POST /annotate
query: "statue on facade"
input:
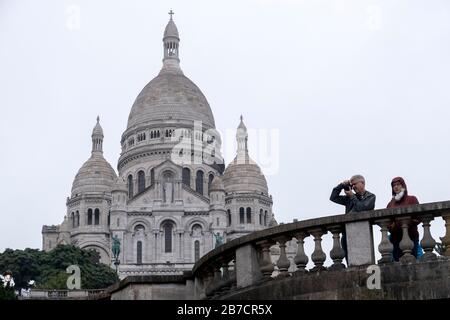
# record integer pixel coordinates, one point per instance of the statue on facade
(115, 247)
(219, 239)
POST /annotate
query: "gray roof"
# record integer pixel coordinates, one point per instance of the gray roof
(96, 175)
(243, 175)
(170, 95)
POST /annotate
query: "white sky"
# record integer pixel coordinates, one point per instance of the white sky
(350, 86)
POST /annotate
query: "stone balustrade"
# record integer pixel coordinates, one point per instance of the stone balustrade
(247, 261)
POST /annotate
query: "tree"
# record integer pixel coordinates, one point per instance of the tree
(49, 268)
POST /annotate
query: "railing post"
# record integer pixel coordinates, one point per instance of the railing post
(359, 239)
(406, 245)
(385, 247)
(266, 265)
(283, 262)
(247, 266)
(427, 242)
(337, 254)
(446, 239)
(318, 256)
(301, 259)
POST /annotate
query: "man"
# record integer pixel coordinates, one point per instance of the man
(360, 200)
(400, 198)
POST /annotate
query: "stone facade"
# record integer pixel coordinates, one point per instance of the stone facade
(172, 195)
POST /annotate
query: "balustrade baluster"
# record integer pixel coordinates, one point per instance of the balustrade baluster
(283, 262)
(301, 259)
(385, 247)
(318, 256)
(446, 239)
(427, 243)
(337, 254)
(406, 245)
(266, 265)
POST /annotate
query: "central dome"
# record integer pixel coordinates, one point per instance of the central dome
(170, 95)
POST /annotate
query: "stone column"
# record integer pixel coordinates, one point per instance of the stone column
(266, 265)
(427, 242)
(385, 247)
(337, 253)
(406, 245)
(360, 249)
(318, 256)
(283, 262)
(446, 239)
(301, 259)
(247, 266)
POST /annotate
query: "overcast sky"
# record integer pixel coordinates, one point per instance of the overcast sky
(345, 87)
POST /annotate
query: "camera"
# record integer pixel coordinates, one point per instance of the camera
(347, 187)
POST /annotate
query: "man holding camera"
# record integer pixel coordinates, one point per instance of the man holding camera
(360, 200)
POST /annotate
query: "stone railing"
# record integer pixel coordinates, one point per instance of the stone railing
(39, 294)
(247, 261)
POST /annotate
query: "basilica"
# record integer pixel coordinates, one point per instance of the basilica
(172, 198)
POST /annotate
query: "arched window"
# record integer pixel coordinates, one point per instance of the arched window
(89, 222)
(210, 179)
(141, 181)
(152, 176)
(187, 176)
(261, 216)
(130, 186)
(197, 250)
(139, 252)
(249, 215)
(73, 220)
(265, 218)
(199, 182)
(241, 215)
(78, 219)
(97, 217)
(168, 227)
(229, 217)
(109, 218)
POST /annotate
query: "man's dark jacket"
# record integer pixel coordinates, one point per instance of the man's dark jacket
(357, 203)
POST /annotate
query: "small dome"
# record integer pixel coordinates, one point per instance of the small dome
(171, 30)
(96, 175)
(243, 176)
(217, 184)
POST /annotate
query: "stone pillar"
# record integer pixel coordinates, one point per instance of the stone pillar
(283, 262)
(337, 253)
(427, 242)
(359, 243)
(247, 266)
(385, 247)
(318, 256)
(446, 239)
(406, 245)
(266, 266)
(301, 259)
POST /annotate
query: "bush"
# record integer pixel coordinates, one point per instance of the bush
(49, 268)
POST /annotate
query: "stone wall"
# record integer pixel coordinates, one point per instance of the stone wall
(418, 281)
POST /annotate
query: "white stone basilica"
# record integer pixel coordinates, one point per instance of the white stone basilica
(172, 195)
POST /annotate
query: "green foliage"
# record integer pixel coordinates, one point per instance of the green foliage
(49, 268)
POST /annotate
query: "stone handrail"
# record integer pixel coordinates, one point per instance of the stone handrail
(246, 261)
